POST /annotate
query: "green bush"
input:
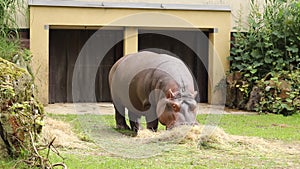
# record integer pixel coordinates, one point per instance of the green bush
(280, 93)
(21, 114)
(270, 45)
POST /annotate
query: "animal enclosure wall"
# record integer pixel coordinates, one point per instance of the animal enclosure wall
(47, 18)
(190, 46)
(66, 46)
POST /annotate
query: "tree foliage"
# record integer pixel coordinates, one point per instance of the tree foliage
(270, 45)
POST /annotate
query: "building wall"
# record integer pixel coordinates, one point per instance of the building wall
(43, 18)
(236, 6)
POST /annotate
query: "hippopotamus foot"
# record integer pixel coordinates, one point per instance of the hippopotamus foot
(120, 120)
(123, 127)
(134, 122)
(152, 125)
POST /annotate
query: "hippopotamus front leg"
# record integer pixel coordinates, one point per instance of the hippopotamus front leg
(134, 121)
(152, 125)
(120, 118)
(152, 120)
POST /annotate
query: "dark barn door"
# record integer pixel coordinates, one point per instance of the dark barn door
(190, 46)
(65, 47)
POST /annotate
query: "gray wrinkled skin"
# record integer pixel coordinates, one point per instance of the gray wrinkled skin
(157, 86)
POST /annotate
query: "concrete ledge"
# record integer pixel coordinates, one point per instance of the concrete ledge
(108, 109)
(70, 3)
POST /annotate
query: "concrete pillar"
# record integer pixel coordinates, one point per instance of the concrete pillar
(130, 40)
(210, 66)
(219, 46)
(39, 47)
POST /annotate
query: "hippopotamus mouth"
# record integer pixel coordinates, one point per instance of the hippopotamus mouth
(182, 124)
(178, 109)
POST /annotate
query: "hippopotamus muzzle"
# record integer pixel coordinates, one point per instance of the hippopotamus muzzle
(173, 111)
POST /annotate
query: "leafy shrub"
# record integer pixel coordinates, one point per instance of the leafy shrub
(21, 114)
(269, 47)
(280, 92)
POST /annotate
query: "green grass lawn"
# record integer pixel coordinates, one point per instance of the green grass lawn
(270, 127)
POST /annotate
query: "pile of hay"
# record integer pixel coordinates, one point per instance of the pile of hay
(59, 130)
(63, 134)
(148, 143)
(186, 135)
(216, 138)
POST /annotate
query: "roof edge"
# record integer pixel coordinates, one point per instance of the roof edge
(129, 5)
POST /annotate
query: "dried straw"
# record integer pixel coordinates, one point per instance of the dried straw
(63, 134)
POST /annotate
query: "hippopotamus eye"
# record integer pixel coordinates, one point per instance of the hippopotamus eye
(175, 107)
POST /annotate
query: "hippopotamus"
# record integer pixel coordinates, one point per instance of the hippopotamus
(157, 86)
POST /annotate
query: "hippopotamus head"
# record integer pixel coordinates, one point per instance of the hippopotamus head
(177, 108)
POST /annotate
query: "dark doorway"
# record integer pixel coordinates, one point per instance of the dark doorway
(65, 46)
(190, 46)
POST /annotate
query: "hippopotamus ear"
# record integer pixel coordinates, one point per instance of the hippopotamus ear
(170, 94)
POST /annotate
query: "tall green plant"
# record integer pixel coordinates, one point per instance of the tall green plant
(10, 48)
(269, 45)
(8, 11)
(271, 42)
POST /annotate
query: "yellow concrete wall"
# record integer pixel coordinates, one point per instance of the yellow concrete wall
(130, 40)
(41, 18)
(235, 5)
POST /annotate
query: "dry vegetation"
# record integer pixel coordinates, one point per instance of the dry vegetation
(201, 137)
(183, 147)
(63, 134)
(217, 138)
